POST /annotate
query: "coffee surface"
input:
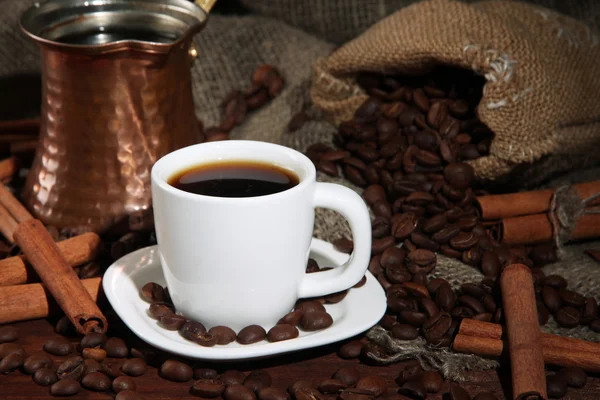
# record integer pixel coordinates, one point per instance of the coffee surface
(234, 179)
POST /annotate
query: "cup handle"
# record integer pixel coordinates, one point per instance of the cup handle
(352, 207)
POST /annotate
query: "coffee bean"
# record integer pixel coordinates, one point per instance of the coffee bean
(272, 393)
(556, 386)
(123, 383)
(65, 387)
(436, 326)
(543, 254)
(404, 225)
(11, 362)
(224, 334)
(64, 327)
(421, 261)
(410, 371)
(374, 193)
(435, 223)
(413, 389)
(435, 284)
(462, 312)
(309, 305)
(490, 264)
(382, 208)
(116, 348)
(134, 367)
(372, 384)
(380, 227)
(192, 330)
(445, 234)
(343, 245)
(282, 332)
(71, 368)
(111, 369)
(423, 241)
(35, 362)
(551, 298)
(357, 285)
(464, 241)
(45, 376)
(96, 381)
(590, 310)
(91, 366)
(485, 396)
(432, 381)
(94, 354)
(555, 281)
(307, 394)
(428, 306)
(489, 303)
(572, 298)
(331, 386)
(238, 392)
(445, 297)
(347, 375)
(567, 317)
(232, 376)
(251, 334)
(404, 332)
(153, 292)
(292, 318)
(353, 348)
(58, 346)
(472, 303)
(172, 321)
(257, 380)
(92, 340)
(8, 333)
(176, 371)
(456, 392)
(378, 246)
(128, 395)
(315, 320)
(392, 256)
(459, 175)
(543, 313)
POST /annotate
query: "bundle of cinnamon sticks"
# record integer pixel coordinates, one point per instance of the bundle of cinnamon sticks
(541, 216)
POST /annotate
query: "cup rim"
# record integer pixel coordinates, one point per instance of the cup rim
(159, 167)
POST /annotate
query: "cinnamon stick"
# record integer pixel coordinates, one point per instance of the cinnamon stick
(26, 302)
(59, 277)
(30, 125)
(537, 228)
(473, 327)
(557, 350)
(9, 138)
(8, 167)
(7, 224)
(78, 250)
(16, 209)
(526, 203)
(24, 146)
(523, 332)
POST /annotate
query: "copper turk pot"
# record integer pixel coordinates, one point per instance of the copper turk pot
(116, 96)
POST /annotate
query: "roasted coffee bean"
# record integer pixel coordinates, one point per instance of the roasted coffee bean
(445, 234)
(251, 334)
(434, 224)
(64, 327)
(490, 264)
(555, 281)
(374, 193)
(543, 254)
(416, 290)
(331, 386)
(158, 310)
(408, 245)
(485, 317)
(380, 227)
(413, 390)
(224, 334)
(122, 383)
(595, 325)
(71, 368)
(92, 340)
(489, 303)
(387, 321)
(472, 303)
(272, 393)
(58, 346)
(473, 289)
(96, 381)
(397, 274)
(35, 362)
(568, 317)
(128, 395)
(315, 320)
(556, 386)
(462, 312)
(456, 392)
(436, 326)
(435, 284)
(485, 396)
(343, 245)
(94, 354)
(420, 278)
(423, 241)
(153, 292)
(134, 367)
(309, 305)
(421, 261)
(432, 381)
(378, 246)
(590, 311)
(11, 362)
(382, 208)
(192, 330)
(176, 371)
(354, 175)
(327, 167)
(445, 297)
(551, 299)
(116, 348)
(45, 377)
(292, 318)
(459, 175)
(358, 284)
(257, 380)
(404, 225)
(428, 306)
(353, 349)
(282, 332)
(572, 298)
(404, 332)
(206, 373)
(8, 333)
(232, 376)
(575, 377)
(92, 366)
(172, 321)
(111, 369)
(410, 371)
(347, 375)
(543, 313)
(373, 384)
(65, 387)
(464, 241)
(238, 392)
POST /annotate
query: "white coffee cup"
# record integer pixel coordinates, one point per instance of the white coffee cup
(241, 261)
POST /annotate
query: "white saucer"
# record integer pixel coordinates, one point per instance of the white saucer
(360, 310)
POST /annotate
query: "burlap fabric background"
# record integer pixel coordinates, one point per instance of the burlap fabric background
(230, 48)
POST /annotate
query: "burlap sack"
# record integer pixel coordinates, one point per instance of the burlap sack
(342, 20)
(540, 69)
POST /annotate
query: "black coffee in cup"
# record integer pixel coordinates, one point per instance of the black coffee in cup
(234, 179)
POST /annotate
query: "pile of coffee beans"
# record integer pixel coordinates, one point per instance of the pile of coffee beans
(308, 314)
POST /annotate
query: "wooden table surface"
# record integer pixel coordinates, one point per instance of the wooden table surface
(313, 365)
